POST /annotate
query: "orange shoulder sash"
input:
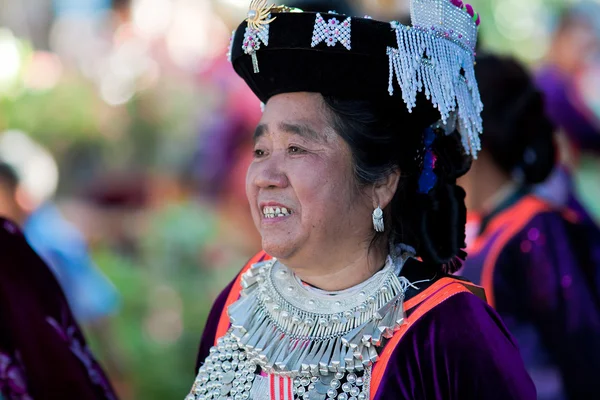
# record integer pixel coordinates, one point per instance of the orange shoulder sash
(422, 303)
(234, 295)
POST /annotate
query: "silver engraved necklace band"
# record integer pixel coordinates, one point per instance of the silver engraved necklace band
(288, 329)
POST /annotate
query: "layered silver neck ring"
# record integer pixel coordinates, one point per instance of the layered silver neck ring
(286, 328)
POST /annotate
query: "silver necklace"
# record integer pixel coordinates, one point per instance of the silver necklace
(289, 330)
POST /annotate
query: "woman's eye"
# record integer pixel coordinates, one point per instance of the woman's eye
(295, 150)
(258, 153)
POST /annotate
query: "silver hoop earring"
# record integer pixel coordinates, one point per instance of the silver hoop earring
(378, 219)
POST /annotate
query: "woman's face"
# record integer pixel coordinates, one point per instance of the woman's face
(301, 186)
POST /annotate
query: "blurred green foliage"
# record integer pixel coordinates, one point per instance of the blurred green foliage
(166, 295)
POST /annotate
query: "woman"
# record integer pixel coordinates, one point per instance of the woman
(567, 81)
(361, 220)
(539, 264)
(43, 354)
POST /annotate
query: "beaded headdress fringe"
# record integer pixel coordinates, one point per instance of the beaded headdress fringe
(436, 56)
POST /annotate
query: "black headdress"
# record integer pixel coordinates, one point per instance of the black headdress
(279, 49)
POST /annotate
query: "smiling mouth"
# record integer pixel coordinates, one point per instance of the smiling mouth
(275, 212)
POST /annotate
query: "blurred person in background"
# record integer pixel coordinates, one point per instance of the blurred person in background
(570, 81)
(539, 262)
(29, 180)
(43, 353)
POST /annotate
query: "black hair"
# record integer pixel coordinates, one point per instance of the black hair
(518, 134)
(382, 140)
(8, 177)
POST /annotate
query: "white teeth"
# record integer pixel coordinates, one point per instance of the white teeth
(273, 212)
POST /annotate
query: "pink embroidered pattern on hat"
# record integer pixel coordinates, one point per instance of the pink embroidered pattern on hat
(331, 32)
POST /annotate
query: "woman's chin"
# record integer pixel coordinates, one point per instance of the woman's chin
(278, 248)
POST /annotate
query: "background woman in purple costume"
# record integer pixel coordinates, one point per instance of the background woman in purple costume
(569, 81)
(539, 263)
(43, 354)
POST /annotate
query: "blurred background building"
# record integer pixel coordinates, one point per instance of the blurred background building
(139, 132)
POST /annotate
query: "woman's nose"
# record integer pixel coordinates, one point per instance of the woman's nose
(270, 174)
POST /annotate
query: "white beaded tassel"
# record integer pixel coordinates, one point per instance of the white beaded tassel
(427, 62)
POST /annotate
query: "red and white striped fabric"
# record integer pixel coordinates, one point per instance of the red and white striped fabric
(280, 388)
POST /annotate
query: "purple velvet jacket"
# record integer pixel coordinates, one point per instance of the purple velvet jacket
(459, 350)
(43, 354)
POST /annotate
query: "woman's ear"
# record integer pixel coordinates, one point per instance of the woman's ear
(384, 190)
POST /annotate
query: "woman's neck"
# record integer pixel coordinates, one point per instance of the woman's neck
(487, 186)
(501, 194)
(351, 269)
